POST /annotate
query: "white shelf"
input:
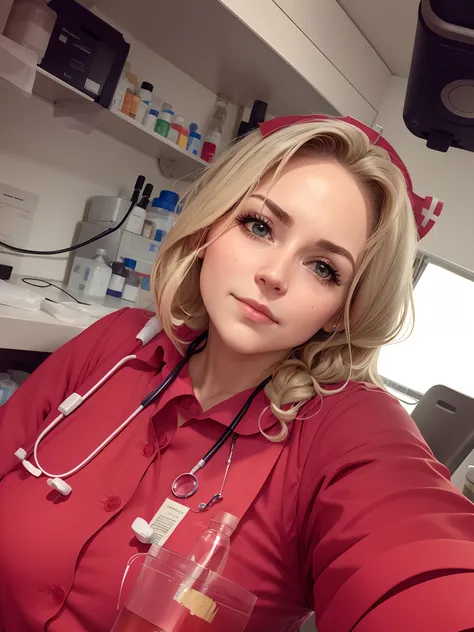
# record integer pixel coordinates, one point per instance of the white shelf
(210, 43)
(38, 331)
(174, 162)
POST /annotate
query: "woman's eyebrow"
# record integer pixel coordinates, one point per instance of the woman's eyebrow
(329, 246)
(286, 219)
(275, 209)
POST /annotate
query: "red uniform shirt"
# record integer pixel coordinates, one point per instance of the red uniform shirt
(351, 516)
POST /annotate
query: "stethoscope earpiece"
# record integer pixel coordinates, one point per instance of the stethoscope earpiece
(21, 454)
(60, 486)
(142, 530)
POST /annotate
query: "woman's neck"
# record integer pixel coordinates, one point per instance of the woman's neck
(218, 372)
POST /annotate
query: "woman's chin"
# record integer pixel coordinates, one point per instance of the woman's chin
(245, 339)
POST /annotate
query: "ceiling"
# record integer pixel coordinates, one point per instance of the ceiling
(390, 27)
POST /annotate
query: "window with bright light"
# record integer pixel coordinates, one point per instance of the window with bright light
(441, 347)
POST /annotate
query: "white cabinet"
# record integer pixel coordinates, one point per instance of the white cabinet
(331, 30)
(247, 50)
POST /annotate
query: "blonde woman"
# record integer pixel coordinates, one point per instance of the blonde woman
(294, 253)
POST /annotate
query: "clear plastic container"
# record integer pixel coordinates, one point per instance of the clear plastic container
(214, 134)
(212, 547)
(30, 24)
(174, 594)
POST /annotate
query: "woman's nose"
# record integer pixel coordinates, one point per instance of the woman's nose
(273, 279)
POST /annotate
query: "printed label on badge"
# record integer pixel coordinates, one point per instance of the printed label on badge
(166, 519)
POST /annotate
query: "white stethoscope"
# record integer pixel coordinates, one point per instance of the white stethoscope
(185, 485)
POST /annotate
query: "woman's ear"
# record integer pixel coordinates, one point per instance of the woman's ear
(336, 323)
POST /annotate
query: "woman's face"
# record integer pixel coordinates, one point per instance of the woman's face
(283, 269)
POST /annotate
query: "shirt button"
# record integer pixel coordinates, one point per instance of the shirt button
(112, 503)
(58, 593)
(148, 449)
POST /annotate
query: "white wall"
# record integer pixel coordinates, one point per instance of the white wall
(65, 167)
(446, 176)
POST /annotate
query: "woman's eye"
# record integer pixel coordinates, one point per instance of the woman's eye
(323, 270)
(260, 229)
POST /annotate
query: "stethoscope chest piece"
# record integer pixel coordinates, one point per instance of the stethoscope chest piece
(185, 485)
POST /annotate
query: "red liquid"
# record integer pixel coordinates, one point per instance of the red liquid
(129, 622)
(208, 151)
(226, 619)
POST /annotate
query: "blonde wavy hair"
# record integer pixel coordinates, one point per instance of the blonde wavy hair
(379, 304)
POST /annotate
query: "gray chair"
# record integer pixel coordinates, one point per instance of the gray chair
(446, 421)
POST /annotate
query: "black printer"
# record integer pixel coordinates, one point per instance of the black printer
(85, 52)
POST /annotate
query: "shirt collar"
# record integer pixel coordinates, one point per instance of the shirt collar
(160, 353)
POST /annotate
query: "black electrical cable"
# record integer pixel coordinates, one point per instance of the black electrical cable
(60, 251)
(28, 280)
(134, 200)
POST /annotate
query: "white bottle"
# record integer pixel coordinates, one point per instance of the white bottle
(150, 119)
(91, 276)
(135, 220)
(132, 282)
(145, 94)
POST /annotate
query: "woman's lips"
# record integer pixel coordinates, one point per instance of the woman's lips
(255, 311)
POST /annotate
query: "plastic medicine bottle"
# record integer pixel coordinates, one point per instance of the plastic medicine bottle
(214, 134)
(132, 282)
(145, 95)
(175, 129)
(117, 280)
(164, 120)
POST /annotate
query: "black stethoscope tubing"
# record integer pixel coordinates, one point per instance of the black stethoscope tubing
(193, 349)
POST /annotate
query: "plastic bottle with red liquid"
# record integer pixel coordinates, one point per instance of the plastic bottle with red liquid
(177, 594)
(214, 133)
